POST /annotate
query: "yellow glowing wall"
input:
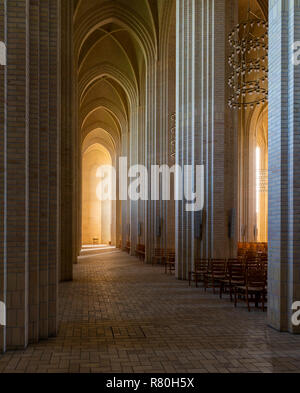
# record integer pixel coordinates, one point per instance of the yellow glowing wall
(96, 214)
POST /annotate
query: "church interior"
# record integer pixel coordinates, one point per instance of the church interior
(125, 284)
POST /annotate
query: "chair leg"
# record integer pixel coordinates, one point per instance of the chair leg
(221, 290)
(257, 298)
(235, 297)
(190, 278)
(248, 303)
(263, 301)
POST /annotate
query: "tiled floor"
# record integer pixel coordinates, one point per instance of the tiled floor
(120, 315)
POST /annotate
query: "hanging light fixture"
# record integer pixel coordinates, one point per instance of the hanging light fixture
(173, 137)
(249, 63)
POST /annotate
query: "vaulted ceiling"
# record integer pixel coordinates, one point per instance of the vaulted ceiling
(114, 40)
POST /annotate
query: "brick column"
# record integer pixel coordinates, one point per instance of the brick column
(34, 187)
(44, 168)
(67, 142)
(134, 160)
(29, 177)
(16, 133)
(2, 266)
(54, 161)
(185, 117)
(284, 164)
(204, 127)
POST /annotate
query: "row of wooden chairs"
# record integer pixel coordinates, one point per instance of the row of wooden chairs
(250, 254)
(164, 257)
(243, 278)
(252, 247)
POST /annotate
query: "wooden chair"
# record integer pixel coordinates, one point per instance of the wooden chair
(127, 247)
(252, 263)
(263, 263)
(255, 288)
(235, 276)
(159, 256)
(242, 252)
(250, 254)
(200, 269)
(216, 273)
(170, 261)
(140, 251)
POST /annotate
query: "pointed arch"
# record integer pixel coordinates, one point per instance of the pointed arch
(107, 69)
(100, 16)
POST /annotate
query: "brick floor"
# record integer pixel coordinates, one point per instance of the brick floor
(119, 315)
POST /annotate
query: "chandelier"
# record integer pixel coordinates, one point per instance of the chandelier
(173, 136)
(249, 63)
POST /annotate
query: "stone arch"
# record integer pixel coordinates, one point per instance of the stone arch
(111, 133)
(97, 41)
(121, 15)
(118, 116)
(99, 136)
(107, 69)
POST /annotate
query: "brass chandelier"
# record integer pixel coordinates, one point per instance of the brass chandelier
(249, 63)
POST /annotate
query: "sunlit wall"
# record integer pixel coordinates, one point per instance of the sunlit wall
(96, 214)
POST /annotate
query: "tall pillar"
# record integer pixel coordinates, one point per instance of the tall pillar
(124, 203)
(16, 132)
(284, 164)
(29, 162)
(204, 128)
(134, 160)
(2, 177)
(167, 119)
(54, 161)
(44, 166)
(34, 157)
(151, 137)
(68, 239)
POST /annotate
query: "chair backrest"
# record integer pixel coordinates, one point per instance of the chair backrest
(201, 265)
(236, 270)
(256, 277)
(242, 252)
(251, 254)
(233, 260)
(263, 257)
(218, 266)
(263, 263)
(252, 263)
(140, 247)
(171, 255)
(159, 252)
